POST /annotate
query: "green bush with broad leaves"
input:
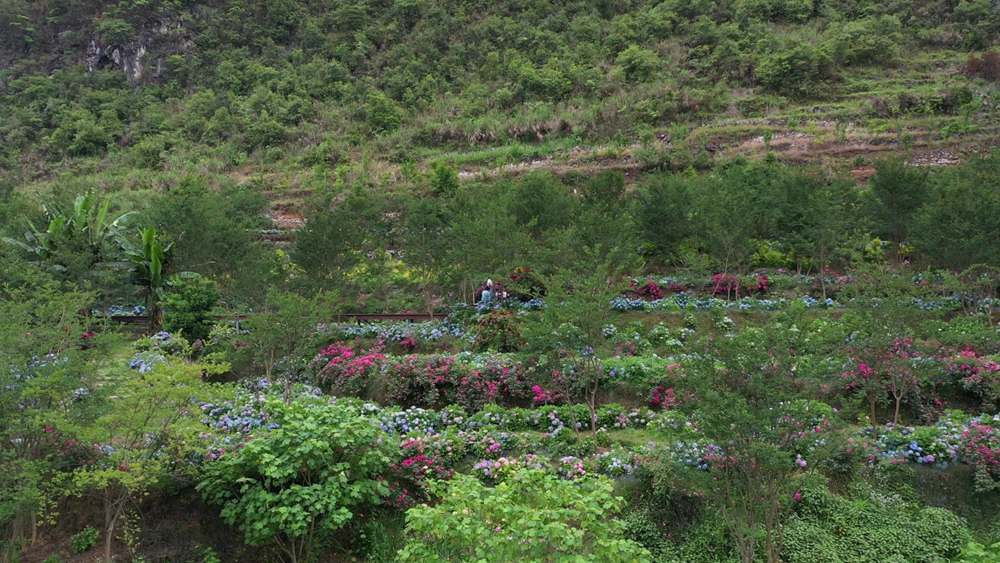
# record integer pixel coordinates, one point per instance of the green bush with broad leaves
(874, 525)
(187, 308)
(293, 487)
(532, 516)
(85, 540)
(979, 553)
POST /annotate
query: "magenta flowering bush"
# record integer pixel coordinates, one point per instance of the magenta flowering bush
(981, 450)
(431, 381)
(646, 289)
(344, 370)
(490, 379)
(428, 381)
(410, 473)
(976, 374)
(409, 344)
(732, 285)
(664, 398)
(421, 381)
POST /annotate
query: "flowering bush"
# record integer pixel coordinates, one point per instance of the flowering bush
(396, 331)
(410, 472)
(573, 468)
(525, 285)
(981, 450)
(693, 455)
(732, 285)
(498, 331)
(494, 472)
(664, 398)
(163, 343)
(469, 381)
(977, 374)
(146, 361)
(621, 461)
(419, 380)
(346, 371)
(155, 349)
(411, 422)
(833, 282)
(648, 289)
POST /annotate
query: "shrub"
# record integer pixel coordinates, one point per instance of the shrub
(411, 473)
(444, 179)
(827, 528)
(976, 374)
(648, 289)
(346, 371)
(794, 70)
(986, 66)
(733, 285)
(383, 116)
(187, 308)
(85, 540)
(637, 64)
(531, 516)
(418, 380)
(115, 31)
(498, 331)
(981, 450)
(870, 41)
(295, 486)
(525, 285)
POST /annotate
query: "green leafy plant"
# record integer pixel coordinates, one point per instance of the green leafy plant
(85, 540)
(979, 553)
(187, 307)
(149, 261)
(292, 488)
(530, 516)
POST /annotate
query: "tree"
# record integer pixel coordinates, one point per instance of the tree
(214, 233)
(898, 191)
(293, 487)
(959, 227)
(148, 415)
(532, 516)
(580, 308)
(666, 212)
(880, 355)
(337, 234)
(285, 328)
(481, 236)
(745, 411)
(47, 393)
(734, 210)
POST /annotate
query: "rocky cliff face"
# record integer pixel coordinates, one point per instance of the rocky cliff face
(142, 57)
(129, 58)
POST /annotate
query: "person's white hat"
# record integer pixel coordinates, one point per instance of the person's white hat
(489, 283)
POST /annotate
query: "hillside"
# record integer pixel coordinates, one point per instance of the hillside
(309, 281)
(277, 90)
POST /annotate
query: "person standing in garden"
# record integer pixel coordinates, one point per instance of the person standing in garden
(487, 294)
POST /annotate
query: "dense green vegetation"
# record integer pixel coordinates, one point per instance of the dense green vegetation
(743, 271)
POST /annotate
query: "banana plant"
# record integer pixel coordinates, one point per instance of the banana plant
(88, 224)
(148, 261)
